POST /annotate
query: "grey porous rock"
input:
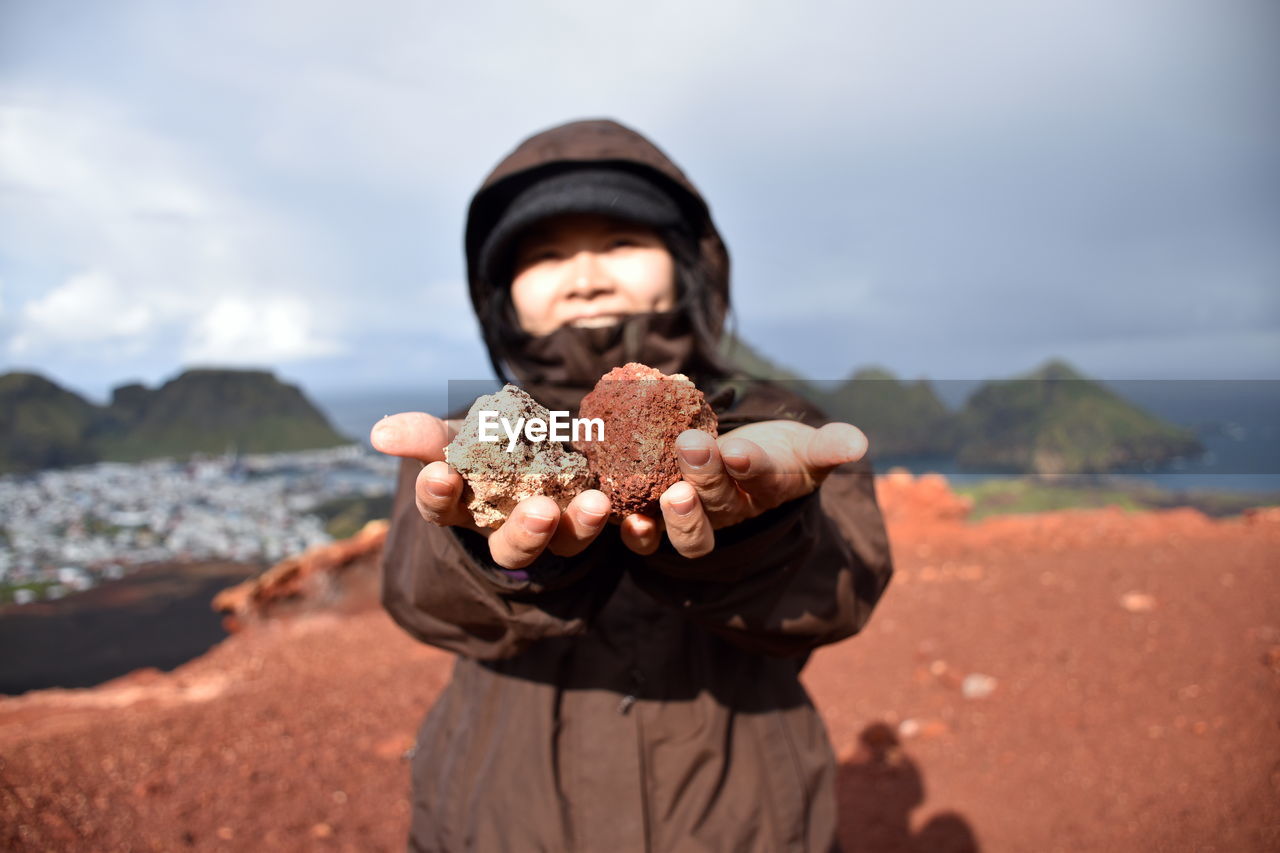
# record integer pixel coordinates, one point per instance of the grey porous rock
(498, 478)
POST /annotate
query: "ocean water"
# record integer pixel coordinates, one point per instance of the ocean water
(1237, 421)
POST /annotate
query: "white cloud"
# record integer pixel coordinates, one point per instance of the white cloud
(259, 331)
(90, 170)
(171, 246)
(89, 308)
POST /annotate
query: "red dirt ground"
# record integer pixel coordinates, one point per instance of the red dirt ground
(1133, 703)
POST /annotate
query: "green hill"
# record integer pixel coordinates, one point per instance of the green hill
(43, 425)
(201, 411)
(210, 411)
(1053, 420)
(899, 418)
(1056, 421)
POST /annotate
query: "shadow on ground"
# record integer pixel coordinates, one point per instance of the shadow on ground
(879, 789)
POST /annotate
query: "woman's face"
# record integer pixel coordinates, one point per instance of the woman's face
(588, 270)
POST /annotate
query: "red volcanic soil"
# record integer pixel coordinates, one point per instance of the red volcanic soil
(1084, 680)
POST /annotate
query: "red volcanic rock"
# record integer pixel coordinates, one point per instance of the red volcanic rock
(312, 579)
(644, 411)
(905, 498)
(1262, 515)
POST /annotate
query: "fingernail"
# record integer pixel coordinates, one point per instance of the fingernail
(696, 457)
(384, 432)
(439, 488)
(737, 464)
(593, 516)
(685, 505)
(538, 524)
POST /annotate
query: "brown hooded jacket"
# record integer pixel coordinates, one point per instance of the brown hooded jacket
(618, 702)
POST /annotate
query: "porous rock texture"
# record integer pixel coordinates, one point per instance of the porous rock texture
(495, 479)
(644, 411)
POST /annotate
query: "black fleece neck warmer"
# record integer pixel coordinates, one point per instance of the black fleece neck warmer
(558, 369)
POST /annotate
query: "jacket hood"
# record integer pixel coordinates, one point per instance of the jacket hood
(585, 144)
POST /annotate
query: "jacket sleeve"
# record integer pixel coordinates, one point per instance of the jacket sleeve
(802, 575)
(440, 585)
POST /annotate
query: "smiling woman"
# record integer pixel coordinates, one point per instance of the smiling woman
(589, 271)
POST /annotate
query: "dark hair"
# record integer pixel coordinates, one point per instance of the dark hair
(699, 301)
(695, 298)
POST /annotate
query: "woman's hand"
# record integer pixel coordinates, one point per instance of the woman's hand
(740, 475)
(535, 524)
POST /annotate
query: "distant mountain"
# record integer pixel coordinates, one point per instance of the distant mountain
(1053, 420)
(211, 411)
(1056, 421)
(43, 425)
(201, 411)
(899, 418)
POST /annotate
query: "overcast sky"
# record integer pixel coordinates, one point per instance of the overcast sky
(957, 190)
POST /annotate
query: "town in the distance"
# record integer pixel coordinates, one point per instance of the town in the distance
(215, 464)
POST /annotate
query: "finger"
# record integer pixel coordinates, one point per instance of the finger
(835, 444)
(744, 460)
(438, 492)
(580, 523)
(640, 533)
(701, 466)
(688, 527)
(525, 533)
(412, 435)
(763, 482)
